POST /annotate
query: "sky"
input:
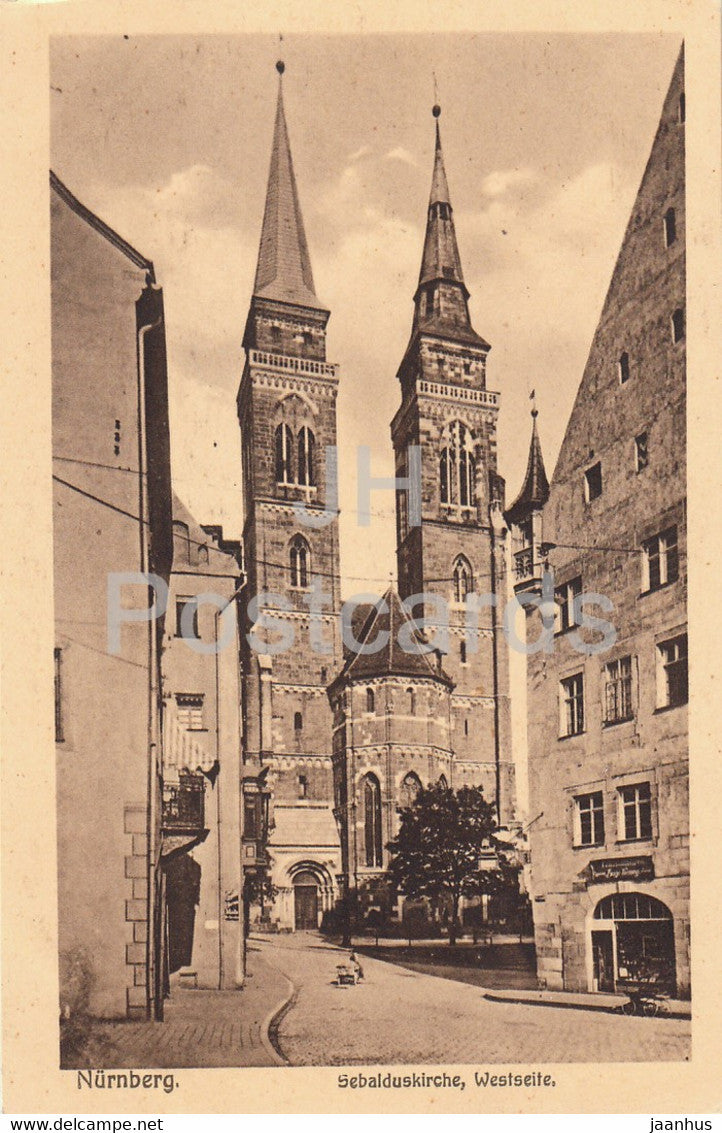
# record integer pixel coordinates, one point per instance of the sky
(545, 141)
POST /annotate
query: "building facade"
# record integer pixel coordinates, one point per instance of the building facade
(201, 817)
(455, 546)
(607, 715)
(287, 415)
(111, 487)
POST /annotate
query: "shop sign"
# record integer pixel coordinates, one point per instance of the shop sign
(622, 869)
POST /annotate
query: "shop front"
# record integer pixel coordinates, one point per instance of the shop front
(632, 942)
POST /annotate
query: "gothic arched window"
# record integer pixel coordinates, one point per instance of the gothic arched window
(284, 454)
(410, 787)
(411, 701)
(306, 457)
(373, 839)
(462, 577)
(370, 700)
(300, 562)
(457, 466)
(443, 783)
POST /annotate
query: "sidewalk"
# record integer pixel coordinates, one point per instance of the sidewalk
(201, 1028)
(585, 1001)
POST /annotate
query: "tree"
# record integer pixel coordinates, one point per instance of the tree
(442, 847)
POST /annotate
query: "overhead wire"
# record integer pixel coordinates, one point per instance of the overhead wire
(335, 575)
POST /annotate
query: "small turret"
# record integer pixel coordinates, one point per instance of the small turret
(524, 516)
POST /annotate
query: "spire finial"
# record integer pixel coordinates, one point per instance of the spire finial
(534, 410)
(436, 109)
(280, 66)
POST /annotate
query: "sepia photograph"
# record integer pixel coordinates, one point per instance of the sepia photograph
(369, 491)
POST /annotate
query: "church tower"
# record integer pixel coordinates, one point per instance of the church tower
(459, 545)
(287, 414)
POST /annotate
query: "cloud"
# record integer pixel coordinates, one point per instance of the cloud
(358, 154)
(537, 265)
(497, 183)
(538, 270)
(200, 195)
(401, 154)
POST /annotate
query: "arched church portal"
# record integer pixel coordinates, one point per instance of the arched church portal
(309, 891)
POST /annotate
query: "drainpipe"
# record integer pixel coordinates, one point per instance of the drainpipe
(219, 813)
(153, 989)
(494, 517)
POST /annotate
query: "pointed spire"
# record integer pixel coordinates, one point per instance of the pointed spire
(439, 184)
(535, 489)
(284, 271)
(441, 259)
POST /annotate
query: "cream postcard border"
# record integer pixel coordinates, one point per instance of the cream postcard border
(32, 1080)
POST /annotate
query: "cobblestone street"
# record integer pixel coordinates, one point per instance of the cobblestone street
(201, 1028)
(399, 1016)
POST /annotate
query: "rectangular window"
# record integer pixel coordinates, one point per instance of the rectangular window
(641, 454)
(660, 560)
(58, 658)
(191, 618)
(635, 804)
(593, 482)
(567, 614)
(589, 819)
(189, 710)
(670, 228)
(618, 691)
(672, 672)
(678, 325)
(572, 705)
(250, 817)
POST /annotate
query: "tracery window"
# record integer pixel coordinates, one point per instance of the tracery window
(410, 787)
(284, 454)
(300, 562)
(457, 466)
(462, 578)
(306, 457)
(373, 839)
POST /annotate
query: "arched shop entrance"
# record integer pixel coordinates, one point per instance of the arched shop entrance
(632, 940)
(305, 900)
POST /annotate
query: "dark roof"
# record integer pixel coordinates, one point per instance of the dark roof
(100, 226)
(385, 618)
(535, 489)
(441, 258)
(283, 272)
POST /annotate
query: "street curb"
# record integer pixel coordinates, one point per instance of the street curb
(570, 1006)
(269, 1026)
(275, 1021)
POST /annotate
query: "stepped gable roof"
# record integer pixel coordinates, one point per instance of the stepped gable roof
(220, 561)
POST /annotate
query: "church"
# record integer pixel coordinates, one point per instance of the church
(337, 737)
